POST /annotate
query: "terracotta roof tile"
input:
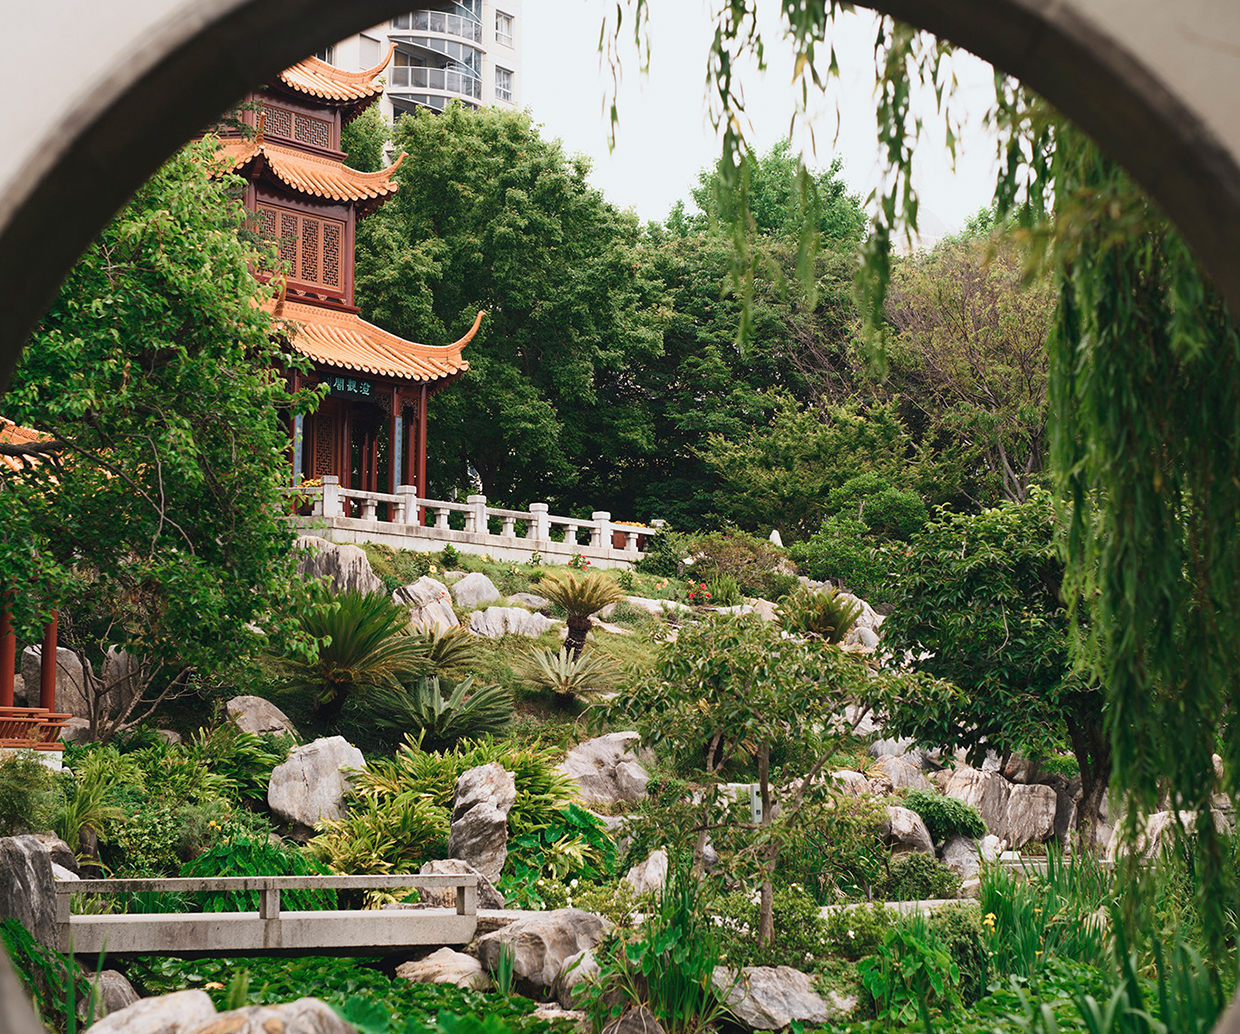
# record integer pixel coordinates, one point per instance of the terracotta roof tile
(15, 434)
(347, 341)
(327, 82)
(313, 174)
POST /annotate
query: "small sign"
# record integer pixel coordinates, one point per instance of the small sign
(351, 387)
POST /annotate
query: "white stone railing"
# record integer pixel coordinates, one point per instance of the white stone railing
(402, 520)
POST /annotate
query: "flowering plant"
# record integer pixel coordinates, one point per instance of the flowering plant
(698, 595)
(579, 562)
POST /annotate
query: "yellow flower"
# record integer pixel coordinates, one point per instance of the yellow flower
(1036, 954)
(215, 985)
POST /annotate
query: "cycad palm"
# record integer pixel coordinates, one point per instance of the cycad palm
(579, 598)
(364, 644)
(566, 675)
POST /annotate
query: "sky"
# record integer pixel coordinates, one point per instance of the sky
(665, 137)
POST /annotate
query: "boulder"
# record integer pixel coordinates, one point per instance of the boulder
(577, 970)
(346, 567)
(446, 966)
(182, 1012)
(58, 851)
(902, 772)
(256, 715)
(304, 1016)
(71, 694)
(648, 877)
(474, 590)
(905, 831)
(988, 792)
(655, 607)
(28, 890)
(852, 783)
(488, 896)
(480, 806)
(113, 992)
(1157, 831)
(1065, 816)
(76, 730)
(169, 736)
(1030, 814)
(123, 676)
(638, 1020)
(497, 621)
(898, 748)
(542, 942)
(530, 601)
(606, 769)
(964, 855)
(771, 997)
(429, 603)
(861, 721)
(310, 786)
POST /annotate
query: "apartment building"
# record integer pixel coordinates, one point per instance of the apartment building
(463, 50)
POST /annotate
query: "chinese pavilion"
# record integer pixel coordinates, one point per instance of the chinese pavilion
(370, 430)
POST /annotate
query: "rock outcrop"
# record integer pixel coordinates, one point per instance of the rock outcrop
(345, 567)
(256, 715)
(497, 621)
(480, 806)
(542, 943)
(311, 784)
(905, 831)
(474, 590)
(28, 889)
(429, 603)
(771, 997)
(182, 1012)
(606, 769)
(446, 966)
(488, 896)
(649, 876)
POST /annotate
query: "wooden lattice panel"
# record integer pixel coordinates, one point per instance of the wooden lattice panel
(310, 130)
(277, 121)
(322, 446)
(309, 246)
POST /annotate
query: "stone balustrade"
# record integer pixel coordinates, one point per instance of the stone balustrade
(402, 520)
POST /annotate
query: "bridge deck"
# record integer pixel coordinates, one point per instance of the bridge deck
(269, 931)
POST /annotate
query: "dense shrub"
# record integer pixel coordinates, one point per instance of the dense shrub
(843, 551)
(735, 554)
(257, 856)
(29, 794)
(836, 849)
(888, 512)
(824, 614)
(945, 816)
(800, 932)
(856, 931)
(960, 928)
(664, 552)
(916, 876)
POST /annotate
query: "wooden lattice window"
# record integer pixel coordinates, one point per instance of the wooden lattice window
(322, 446)
(309, 246)
(294, 125)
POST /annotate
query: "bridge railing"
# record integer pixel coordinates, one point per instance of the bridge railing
(392, 516)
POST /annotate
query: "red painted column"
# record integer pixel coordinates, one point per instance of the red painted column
(47, 666)
(419, 476)
(8, 652)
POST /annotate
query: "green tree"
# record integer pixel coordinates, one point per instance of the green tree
(491, 216)
(153, 521)
(980, 604)
(364, 139)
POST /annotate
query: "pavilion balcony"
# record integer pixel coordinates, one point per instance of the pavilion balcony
(401, 520)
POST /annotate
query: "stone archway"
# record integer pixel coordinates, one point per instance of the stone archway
(98, 95)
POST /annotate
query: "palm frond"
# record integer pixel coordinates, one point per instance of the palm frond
(567, 676)
(580, 597)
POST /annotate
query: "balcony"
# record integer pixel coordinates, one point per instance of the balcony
(437, 21)
(447, 80)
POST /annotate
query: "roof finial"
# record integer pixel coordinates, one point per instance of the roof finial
(262, 124)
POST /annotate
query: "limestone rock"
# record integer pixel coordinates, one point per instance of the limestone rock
(1065, 816)
(638, 1020)
(606, 769)
(28, 892)
(446, 966)
(906, 832)
(578, 969)
(852, 783)
(988, 792)
(114, 992)
(530, 601)
(648, 877)
(182, 1012)
(488, 896)
(771, 997)
(656, 607)
(70, 682)
(896, 748)
(76, 730)
(902, 772)
(256, 715)
(429, 603)
(122, 674)
(480, 806)
(964, 855)
(304, 1016)
(474, 590)
(497, 621)
(1030, 815)
(311, 784)
(542, 942)
(1157, 830)
(58, 851)
(346, 567)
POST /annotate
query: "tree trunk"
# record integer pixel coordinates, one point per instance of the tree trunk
(576, 638)
(1093, 757)
(766, 910)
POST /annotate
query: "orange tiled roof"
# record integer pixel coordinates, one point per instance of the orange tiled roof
(313, 174)
(347, 341)
(327, 82)
(15, 434)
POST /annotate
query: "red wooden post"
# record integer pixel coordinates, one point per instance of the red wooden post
(8, 651)
(419, 477)
(47, 665)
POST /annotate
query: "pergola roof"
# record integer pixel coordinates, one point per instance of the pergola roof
(312, 174)
(325, 82)
(346, 341)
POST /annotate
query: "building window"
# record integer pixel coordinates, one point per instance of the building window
(327, 54)
(310, 248)
(503, 28)
(368, 51)
(503, 85)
